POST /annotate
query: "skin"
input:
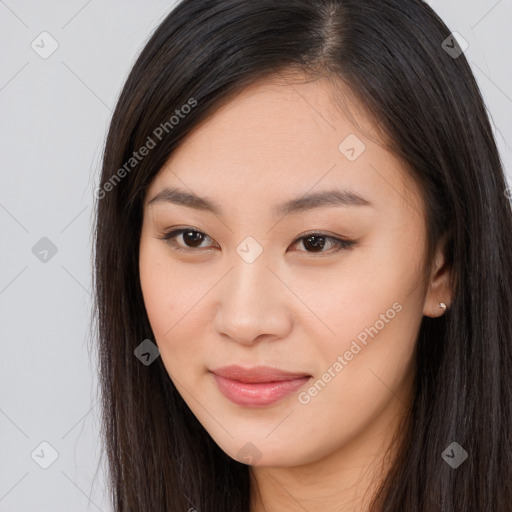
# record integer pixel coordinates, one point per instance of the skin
(292, 308)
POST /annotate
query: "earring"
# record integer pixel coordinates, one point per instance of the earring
(442, 305)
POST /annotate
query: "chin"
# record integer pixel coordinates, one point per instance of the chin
(265, 454)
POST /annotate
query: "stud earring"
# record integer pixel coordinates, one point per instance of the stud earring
(442, 305)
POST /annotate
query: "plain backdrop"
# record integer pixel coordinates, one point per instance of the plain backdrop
(55, 111)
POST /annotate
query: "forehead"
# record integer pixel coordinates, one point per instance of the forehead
(282, 138)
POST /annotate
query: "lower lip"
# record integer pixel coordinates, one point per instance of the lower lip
(257, 394)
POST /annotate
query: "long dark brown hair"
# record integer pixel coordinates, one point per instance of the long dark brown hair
(424, 98)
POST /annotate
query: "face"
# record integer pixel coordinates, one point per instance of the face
(328, 287)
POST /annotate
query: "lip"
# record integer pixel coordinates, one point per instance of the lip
(258, 386)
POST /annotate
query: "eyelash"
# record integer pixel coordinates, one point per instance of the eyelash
(339, 243)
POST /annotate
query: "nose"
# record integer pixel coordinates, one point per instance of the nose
(253, 305)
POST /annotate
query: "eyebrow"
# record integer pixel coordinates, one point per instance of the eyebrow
(309, 201)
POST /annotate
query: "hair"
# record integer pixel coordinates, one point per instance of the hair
(389, 54)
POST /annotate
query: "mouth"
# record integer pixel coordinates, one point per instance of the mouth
(258, 386)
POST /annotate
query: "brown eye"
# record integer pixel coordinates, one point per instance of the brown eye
(191, 239)
(316, 243)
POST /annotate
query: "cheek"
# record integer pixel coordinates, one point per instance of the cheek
(156, 291)
(163, 287)
(359, 380)
(360, 301)
(374, 314)
(175, 306)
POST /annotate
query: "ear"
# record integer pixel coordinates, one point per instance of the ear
(439, 289)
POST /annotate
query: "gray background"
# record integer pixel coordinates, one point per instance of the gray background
(54, 117)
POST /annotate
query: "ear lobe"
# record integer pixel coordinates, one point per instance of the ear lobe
(439, 290)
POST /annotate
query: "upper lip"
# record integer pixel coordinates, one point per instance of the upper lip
(257, 374)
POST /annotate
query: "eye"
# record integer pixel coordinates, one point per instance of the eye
(313, 242)
(316, 242)
(191, 237)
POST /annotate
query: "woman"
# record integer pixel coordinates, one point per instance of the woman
(304, 266)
